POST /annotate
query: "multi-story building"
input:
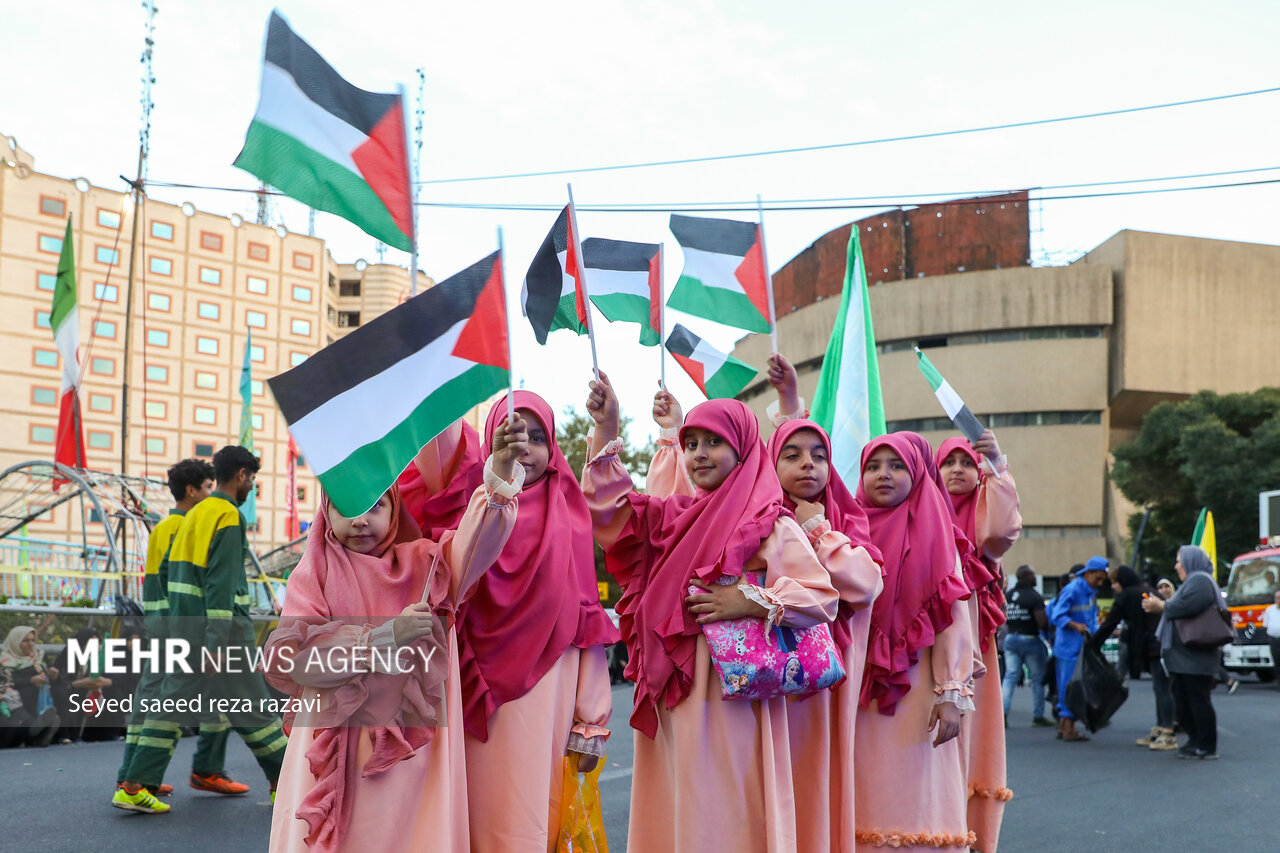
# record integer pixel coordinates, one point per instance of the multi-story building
(204, 286)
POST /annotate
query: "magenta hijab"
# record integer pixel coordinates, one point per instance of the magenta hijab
(442, 511)
(981, 574)
(540, 598)
(706, 536)
(918, 540)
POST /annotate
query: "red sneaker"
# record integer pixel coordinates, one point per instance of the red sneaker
(217, 783)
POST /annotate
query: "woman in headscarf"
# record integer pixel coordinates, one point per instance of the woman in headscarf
(709, 773)
(1191, 671)
(27, 675)
(367, 641)
(910, 782)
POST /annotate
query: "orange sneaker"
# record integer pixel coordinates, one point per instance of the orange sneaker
(217, 783)
(164, 790)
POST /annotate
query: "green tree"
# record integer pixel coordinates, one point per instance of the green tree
(1214, 450)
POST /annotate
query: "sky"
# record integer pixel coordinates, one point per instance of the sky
(516, 87)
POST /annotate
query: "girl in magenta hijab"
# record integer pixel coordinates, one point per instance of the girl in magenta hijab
(910, 781)
(708, 773)
(986, 508)
(367, 646)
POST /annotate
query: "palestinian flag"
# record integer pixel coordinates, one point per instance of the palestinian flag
(626, 283)
(717, 374)
(955, 408)
(328, 144)
(362, 407)
(64, 318)
(724, 278)
(549, 296)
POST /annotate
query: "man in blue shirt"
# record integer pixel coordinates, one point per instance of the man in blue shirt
(1075, 613)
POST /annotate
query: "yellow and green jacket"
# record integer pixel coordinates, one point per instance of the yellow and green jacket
(155, 592)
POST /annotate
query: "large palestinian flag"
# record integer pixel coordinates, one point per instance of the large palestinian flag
(724, 278)
(328, 144)
(717, 374)
(549, 296)
(362, 407)
(626, 283)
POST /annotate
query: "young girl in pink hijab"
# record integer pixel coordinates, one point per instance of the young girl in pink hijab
(375, 759)
(910, 781)
(986, 509)
(709, 773)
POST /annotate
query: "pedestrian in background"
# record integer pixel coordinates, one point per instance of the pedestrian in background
(1271, 624)
(1075, 614)
(1023, 645)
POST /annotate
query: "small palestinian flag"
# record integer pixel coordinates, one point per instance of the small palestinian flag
(955, 408)
(626, 283)
(549, 296)
(362, 407)
(724, 278)
(328, 144)
(717, 374)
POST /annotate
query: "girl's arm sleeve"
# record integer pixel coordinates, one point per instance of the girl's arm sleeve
(593, 704)
(953, 657)
(857, 578)
(998, 520)
(608, 489)
(667, 475)
(438, 462)
(798, 591)
(483, 531)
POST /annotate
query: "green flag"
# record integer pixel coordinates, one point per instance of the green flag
(250, 505)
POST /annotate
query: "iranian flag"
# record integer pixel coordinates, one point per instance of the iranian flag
(960, 415)
(362, 407)
(549, 295)
(328, 144)
(715, 373)
(626, 283)
(724, 278)
(64, 318)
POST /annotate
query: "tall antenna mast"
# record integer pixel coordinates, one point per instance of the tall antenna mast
(417, 170)
(138, 188)
(264, 211)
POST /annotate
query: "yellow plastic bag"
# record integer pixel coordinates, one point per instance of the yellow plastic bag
(581, 820)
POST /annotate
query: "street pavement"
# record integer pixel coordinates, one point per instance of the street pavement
(1103, 795)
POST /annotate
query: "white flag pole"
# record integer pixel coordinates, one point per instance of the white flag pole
(413, 195)
(582, 273)
(768, 276)
(506, 316)
(662, 320)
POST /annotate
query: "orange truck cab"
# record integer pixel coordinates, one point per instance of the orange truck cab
(1251, 587)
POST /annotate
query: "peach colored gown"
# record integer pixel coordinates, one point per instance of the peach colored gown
(420, 803)
(717, 775)
(982, 734)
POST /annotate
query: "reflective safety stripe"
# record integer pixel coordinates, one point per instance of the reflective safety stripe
(243, 599)
(162, 604)
(167, 744)
(219, 614)
(278, 743)
(162, 725)
(186, 589)
(263, 733)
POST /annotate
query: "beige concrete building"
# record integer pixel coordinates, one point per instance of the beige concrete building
(202, 284)
(1063, 362)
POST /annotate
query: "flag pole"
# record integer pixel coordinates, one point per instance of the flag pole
(582, 273)
(662, 320)
(506, 318)
(768, 276)
(413, 194)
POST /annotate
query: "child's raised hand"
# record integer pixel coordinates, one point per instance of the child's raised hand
(666, 410)
(782, 376)
(510, 440)
(414, 622)
(602, 403)
(986, 445)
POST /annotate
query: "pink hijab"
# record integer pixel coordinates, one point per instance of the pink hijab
(706, 536)
(918, 539)
(540, 598)
(334, 594)
(442, 511)
(981, 574)
(840, 507)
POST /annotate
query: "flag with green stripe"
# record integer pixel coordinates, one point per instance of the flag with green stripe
(965, 420)
(64, 318)
(724, 278)
(626, 283)
(717, 374)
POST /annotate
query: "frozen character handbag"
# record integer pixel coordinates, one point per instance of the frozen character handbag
(756, 661)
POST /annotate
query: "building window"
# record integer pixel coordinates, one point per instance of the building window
(104, 329)
(44, 396)
(161, 230)
(209, 275)
(106, 255)
(42, 319)
(45, 357)
(205, 415)
(46, 281)
(50, 245)
(257, 420)
(302, 261)
(109, 219)
(158, 301)
(207, 346)
(259, 251)
(210, 241)
(202, 450)
(155, 409)
(301, 294)
(349, 287)
(52, 206)
(153, 446)
(255, 319)
(302, 494)
(160, 266)
(256, 387)
(348, 319)
(257, 284)
(42, 435)
(106, 292)
(99, 440)
(157, 337)
(101, 403)
(257, 353)
(208, 310)
(296, 358)
(157, 373)
(300, 327)
(206, 380)
(102, 366)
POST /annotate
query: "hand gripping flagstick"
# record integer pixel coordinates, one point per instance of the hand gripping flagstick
(582, 280)
(768, 276)
(506, 317)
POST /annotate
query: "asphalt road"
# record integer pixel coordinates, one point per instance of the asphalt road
(1103, 795)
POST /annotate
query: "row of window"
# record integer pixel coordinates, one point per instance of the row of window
(1045, 333)
(104, 292)
(1000, 420)
(106, 366)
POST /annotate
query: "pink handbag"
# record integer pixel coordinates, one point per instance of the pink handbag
(759, 662)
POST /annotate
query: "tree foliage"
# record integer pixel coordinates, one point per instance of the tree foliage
(1211, 450)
